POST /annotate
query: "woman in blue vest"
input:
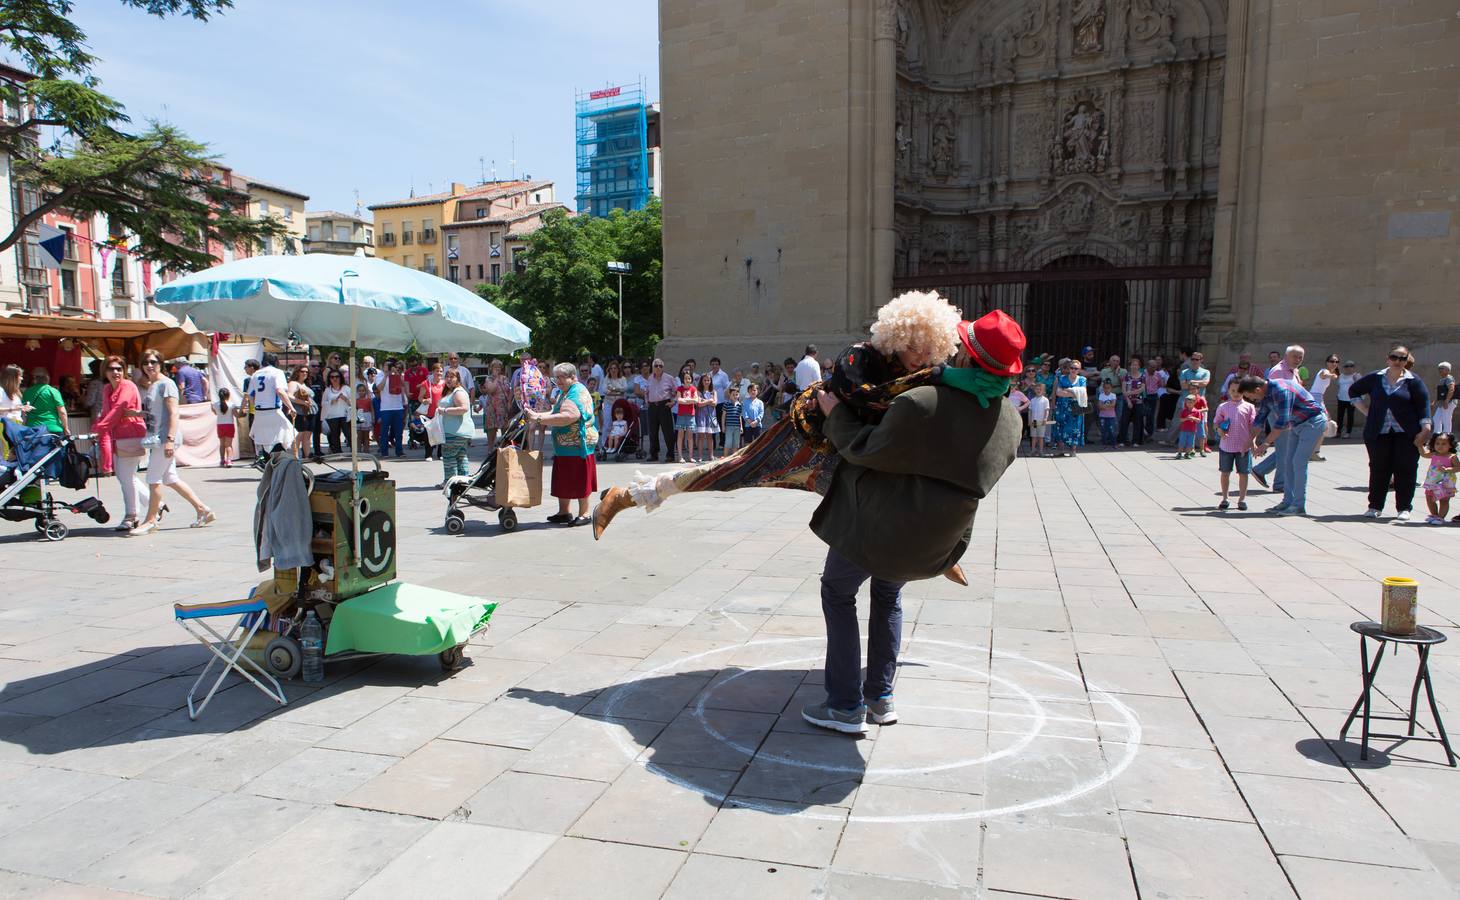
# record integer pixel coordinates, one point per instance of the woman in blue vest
(1396, 426)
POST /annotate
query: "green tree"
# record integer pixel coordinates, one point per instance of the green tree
(156, 184)
(566, 295)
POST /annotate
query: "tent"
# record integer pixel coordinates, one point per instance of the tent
(125, 337)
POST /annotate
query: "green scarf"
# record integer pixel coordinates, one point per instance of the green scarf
(982, 384)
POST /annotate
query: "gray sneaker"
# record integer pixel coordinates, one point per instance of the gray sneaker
(847, 721)
(881, 712)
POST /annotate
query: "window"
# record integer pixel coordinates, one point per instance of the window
(342, 232)
(453, 243)
(263, 207)
(314, 232)
(268, 245)
(406, 260)
(481, 212)
(479, 272)
(537, 198)
(427, 224)
(496, 273)
(289, 212)
(455, 272)
(430, 264)
(68, 288)
(385, 228)
(369, 235)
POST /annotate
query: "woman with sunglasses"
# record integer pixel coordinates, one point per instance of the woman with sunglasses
(335, 407)
(1396, 426)
(159, 410)
(119, 400)
(1323, 379)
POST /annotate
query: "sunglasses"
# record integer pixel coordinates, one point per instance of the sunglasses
(114, 368)
(1399, 357)
(158, 362)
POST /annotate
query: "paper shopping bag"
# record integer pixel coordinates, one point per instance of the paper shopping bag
(519, 477)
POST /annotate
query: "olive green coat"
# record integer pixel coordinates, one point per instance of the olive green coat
(902, 500)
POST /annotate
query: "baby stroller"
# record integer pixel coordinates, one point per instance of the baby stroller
(479, 490)
(632, 445)
(40, 454)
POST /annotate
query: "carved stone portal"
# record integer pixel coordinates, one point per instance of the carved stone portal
(1028, 129)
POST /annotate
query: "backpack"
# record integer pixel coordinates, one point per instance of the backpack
(75, 469)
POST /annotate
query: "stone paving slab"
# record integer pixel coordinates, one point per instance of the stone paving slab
(1138, 696)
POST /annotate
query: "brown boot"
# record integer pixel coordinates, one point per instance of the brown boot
(614, 501)
(954, 574)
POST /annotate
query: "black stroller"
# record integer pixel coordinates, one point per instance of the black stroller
(632, 445)
(40, 454)
(479, 490)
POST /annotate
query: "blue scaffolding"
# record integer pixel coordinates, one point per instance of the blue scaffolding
(613, 149)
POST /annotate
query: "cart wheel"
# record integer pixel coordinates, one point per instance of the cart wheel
(507, 519)
(453, 659)
(455, 523)
(55, 531)
(283, 657)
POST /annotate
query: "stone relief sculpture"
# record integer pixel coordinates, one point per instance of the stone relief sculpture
(1082, 143)
(944, 143)
(1078, 210)
(1087, 18)
(1153, 21)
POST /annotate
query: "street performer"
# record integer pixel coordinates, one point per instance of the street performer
(898, 504)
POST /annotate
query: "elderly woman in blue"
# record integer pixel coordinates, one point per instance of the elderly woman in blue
(575, 435)
(1069, 412)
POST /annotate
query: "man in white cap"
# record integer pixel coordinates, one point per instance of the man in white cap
(1444, 411)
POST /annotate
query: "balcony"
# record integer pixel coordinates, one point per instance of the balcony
(35, 277)
(70, 302)
(71, 255)
(430, 270)
(387, 239)
(408, 237)
(428, 236)
(120, 288)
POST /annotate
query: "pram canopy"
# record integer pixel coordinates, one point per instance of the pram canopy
(30, 444)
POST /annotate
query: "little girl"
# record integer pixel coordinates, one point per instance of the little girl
(1440, 480)
(686, 400)
(617, 431)
(707, 422)
(226, 411)
(364, 417)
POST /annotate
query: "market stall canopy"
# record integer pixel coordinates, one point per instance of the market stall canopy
(125, 337)
(326, 299)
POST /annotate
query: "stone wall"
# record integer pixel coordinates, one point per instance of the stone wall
(765, 187)
(1348, 220)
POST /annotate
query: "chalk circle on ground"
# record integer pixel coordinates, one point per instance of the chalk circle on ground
(1036, 717)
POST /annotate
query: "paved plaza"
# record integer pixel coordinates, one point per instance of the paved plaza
(1137, 696)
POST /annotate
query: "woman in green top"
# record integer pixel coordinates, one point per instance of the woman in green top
(455, 411)
(575, 434)
(47, 406)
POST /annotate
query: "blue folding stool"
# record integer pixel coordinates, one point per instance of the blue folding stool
(228, 650)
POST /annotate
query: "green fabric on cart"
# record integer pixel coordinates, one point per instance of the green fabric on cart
(405, 618)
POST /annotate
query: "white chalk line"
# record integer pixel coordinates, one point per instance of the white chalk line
(1131, 745)
(1008, 715)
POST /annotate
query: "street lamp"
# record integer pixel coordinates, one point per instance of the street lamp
(620, 269)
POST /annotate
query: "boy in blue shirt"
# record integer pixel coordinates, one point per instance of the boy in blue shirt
(752, 414)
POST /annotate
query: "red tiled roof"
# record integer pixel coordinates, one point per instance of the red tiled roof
(532, 209)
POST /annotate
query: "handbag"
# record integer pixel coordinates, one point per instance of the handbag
(128, 447)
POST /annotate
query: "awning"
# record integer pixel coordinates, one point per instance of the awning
(124, 337)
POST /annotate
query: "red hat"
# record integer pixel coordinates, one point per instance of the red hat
(995, 341)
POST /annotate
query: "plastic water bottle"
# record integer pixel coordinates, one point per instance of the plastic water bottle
(312, 642)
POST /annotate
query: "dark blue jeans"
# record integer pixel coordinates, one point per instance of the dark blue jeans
(840, 581)
(392, 428)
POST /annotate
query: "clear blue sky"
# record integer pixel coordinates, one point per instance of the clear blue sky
(328, 96)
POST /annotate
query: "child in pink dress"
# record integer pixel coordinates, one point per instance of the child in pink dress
(1440, 480)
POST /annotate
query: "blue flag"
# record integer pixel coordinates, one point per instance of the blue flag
(53, 246)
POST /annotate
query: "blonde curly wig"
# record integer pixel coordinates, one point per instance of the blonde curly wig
(918, 322)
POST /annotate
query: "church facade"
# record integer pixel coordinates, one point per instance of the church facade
(1137, 175)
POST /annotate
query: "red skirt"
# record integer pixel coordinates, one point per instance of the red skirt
(225, 431)
(574, 477)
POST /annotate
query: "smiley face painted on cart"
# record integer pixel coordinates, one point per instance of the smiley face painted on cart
(377, 543)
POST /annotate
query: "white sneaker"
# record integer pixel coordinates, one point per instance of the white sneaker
(1434, 520)
(1371, 514)
(1403, 515)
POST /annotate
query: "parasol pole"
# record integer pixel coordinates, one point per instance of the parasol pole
(355, 378)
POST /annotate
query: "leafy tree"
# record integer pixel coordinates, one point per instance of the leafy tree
(566, 294)
(156, 184)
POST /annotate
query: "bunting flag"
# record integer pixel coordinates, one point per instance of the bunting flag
(53, 246)
(104, 251)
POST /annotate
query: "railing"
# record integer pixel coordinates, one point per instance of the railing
(120, 288)
(35, 277)
(71, 254)
(407, 237)
(428, 236)
(69, 300)
(387, 239)
(429, 270)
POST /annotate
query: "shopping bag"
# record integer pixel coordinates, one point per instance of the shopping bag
(519, 477)
(435, 431)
